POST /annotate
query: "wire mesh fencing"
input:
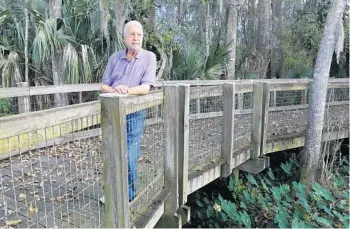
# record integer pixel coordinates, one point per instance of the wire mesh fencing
(243, 118)
(145, 151)
(287, 111)
(51, 177)
(286, 98)
(205, 129)
(336, 116)
(337, 94)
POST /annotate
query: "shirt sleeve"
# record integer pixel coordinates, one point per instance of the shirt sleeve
(107, 75)
(149, 77)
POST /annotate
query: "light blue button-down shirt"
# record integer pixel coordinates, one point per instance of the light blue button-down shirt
(141, 69)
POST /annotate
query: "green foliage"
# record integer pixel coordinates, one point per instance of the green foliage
(321, 191)
(189, 62)
(285, 205)
(5, 104)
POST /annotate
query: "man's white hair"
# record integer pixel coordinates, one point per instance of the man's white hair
(131, 23)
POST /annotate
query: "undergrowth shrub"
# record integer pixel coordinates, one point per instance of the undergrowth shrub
(277, 199)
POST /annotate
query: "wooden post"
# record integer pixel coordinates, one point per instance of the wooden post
(23, 101)
(265, 116)
(309, 87)
(260, 108)
(113, 123)
(304, 95)
(184, 126)
(228, 128)
(274, 98)
(198, 102)
(176, 130)
(236, 174)
(80, 97)
(240, 101)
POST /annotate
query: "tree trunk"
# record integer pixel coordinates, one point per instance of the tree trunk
(104, 17)
(169, 66)
(231, 27)
(218, 23)
(252, 31)
(180, 13)
(312, 149)
(26, 69)
(152, 16)
(208, 24)
(263, 43)
(119, 10)
(57, 66)
(276, 47)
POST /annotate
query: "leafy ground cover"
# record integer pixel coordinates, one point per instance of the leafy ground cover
(275, 198)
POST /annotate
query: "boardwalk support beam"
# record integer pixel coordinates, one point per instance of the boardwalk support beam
(175, 220)
(255, 166)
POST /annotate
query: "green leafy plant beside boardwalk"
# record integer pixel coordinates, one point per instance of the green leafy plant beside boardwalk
(277, 199)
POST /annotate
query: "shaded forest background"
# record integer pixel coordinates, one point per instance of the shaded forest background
(48, 42)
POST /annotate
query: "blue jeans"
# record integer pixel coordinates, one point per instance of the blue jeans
(134, 129)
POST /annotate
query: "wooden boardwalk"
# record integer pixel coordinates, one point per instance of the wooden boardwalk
(60, 184)
(64, 183)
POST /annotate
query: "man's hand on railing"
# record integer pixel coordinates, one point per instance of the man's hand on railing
(121, 89)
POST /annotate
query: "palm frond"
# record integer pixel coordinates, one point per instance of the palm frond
(37, 8)
(218, 57)
(9, 66)
(70, 64)
(86, 69)
(48, 40)
(17, 9)
(188, 63)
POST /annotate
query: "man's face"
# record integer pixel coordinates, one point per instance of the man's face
(133, 39)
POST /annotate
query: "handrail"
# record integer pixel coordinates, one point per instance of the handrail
(68, 88)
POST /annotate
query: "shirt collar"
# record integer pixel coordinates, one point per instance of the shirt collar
(138, 55)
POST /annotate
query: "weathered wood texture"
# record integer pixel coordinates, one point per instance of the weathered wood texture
(115, 161)
(45, 90)
(171, 123)
(67, 88)
(178, 177)
(17, 124)
(23, 101)
(228, 128)
(151, 214)
(29, 129)
(183, 141)
(258, 115)
(264, 118)
(134, 103)
(176, 124)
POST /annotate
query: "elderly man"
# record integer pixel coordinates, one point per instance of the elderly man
(131, 71)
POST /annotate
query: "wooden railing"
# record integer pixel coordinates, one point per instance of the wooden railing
(236, 117)
(196, 131)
